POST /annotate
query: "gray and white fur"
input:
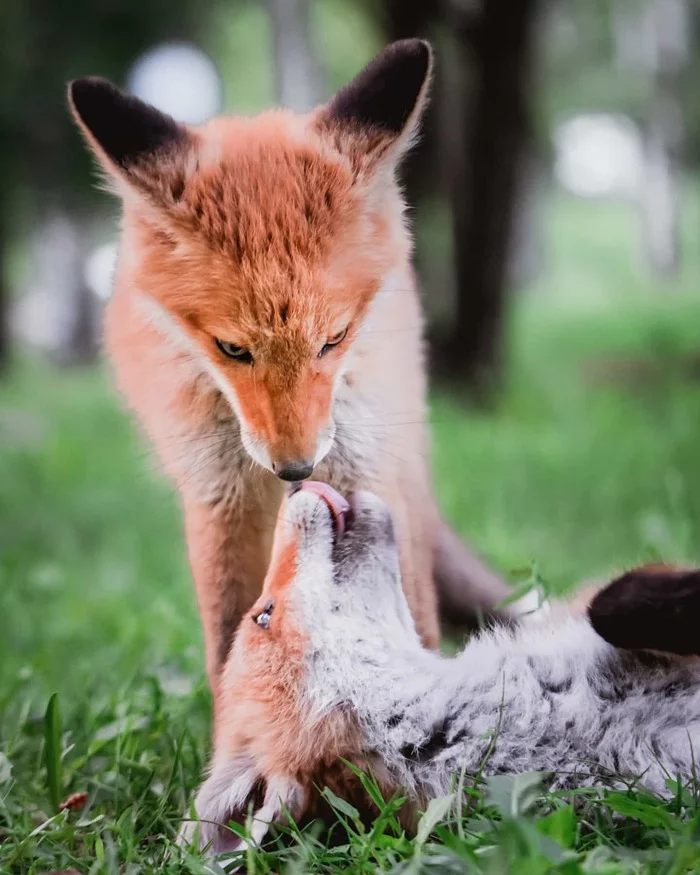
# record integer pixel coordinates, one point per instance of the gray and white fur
(547, 695)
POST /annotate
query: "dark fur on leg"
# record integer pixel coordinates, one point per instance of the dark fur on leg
(650, 608)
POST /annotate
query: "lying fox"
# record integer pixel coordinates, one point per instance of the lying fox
(328, 665)
(265, 325)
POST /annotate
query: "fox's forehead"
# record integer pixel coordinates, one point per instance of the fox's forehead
(274, 230)
(267, 188)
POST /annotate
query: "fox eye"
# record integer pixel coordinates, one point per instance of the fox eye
(333, 342)
(239, 353)
(263, 618)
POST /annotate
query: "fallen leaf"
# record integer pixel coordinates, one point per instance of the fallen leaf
(74, 802)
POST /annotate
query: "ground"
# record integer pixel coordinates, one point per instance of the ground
(588, 464)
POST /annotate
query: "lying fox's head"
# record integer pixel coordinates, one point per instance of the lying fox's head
(331, 606)
(258, 244)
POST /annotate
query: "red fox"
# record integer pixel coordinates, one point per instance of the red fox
(265, 325)
(327, 667)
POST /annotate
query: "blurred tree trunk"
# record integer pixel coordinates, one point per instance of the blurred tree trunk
(666, 30)
(297, 67)
(4, 298)
(57, 311)
(659, 197)
(496, 48)
(527, 248)
(404, 19)
(82, 343)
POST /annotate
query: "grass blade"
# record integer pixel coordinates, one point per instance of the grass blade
(52, 752)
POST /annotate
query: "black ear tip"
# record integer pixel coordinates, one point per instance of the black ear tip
(385, 94)
(86, 92)
(125, 128)
(650, 608)
(415, 50)
(414, 56)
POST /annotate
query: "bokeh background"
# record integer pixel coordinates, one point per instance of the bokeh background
(556, 201)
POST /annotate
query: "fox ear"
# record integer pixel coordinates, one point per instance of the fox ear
(650, 608)
(234, 792)
(133, 140)
(386, 99)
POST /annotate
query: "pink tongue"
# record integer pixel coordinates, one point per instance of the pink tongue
(338, 506)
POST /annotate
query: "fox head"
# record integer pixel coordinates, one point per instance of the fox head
(257, 245)
(331, 602)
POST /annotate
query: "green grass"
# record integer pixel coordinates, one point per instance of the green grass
(590, 463)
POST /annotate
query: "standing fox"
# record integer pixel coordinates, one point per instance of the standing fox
(265, 325)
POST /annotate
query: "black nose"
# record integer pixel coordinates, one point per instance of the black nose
(293, 471)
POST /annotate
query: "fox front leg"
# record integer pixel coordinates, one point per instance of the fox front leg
(228, 552)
